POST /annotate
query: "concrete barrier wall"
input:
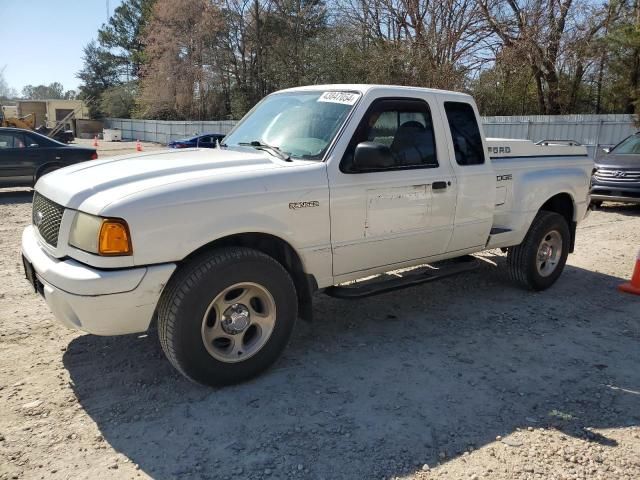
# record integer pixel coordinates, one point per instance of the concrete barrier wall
(164, 131)
(590, 130)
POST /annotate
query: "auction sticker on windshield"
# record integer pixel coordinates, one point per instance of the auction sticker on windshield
(346, 98)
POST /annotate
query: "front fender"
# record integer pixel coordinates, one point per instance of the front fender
(165, 231)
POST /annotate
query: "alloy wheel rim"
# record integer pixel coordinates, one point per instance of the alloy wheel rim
(238, 322)
(549, 253)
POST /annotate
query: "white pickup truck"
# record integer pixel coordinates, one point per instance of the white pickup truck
(315, 188)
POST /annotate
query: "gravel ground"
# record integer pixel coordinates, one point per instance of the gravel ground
(466, 378)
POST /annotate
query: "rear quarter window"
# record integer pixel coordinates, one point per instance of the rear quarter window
(465, 134)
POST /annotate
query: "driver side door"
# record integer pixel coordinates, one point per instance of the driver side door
(16, 163)
(385, 214)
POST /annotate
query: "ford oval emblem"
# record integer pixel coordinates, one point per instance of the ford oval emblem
(39, 218)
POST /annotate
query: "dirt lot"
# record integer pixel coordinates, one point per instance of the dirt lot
(468, 378)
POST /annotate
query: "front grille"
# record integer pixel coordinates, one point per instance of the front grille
(617, 175)
(46, 217)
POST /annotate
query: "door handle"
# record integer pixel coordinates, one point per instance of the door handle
(438, 185)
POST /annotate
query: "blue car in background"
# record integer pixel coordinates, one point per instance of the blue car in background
(206, 140)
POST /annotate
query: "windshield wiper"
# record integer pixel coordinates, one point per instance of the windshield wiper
(268, 148)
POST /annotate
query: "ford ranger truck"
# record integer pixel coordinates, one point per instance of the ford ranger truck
(315, 188)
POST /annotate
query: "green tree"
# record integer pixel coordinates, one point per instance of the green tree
(54, 90)
(508, 87)
(117, 55)
(118, 101)
(97, 75)
(122, 36)
(623, 44)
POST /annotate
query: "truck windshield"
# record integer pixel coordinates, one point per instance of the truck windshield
(629, 146)
(299, 124)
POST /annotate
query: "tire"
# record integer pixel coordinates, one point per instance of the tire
(214, 303)
(596, 203)
(526, 267)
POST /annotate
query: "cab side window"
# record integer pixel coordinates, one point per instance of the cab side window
(403, 128)
(465, 133)
(12, 140)
(30, 140)
(19, 141)
(6, 140)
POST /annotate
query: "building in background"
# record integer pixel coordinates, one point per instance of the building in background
(9, 111)
(50, 112)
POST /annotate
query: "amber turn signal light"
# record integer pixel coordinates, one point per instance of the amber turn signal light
(114, 238)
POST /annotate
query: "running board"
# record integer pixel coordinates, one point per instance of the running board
(378, 285)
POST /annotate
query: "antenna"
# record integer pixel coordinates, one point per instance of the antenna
(108, 11)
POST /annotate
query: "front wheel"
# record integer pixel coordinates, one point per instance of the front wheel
(227, 315)
(539, 260)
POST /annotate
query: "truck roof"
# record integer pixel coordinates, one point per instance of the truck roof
(364, 88)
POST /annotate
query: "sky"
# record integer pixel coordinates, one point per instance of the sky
(41, 41)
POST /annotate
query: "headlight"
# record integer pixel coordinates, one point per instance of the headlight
(102, 236)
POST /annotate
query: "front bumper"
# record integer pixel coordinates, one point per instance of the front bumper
(615, 193)
(615, 198)
(98, 301)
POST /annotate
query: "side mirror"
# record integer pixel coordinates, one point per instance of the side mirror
(33, 145)
(606, 150)
(372, 156)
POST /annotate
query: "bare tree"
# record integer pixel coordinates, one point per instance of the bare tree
(5, 90)
(174, 80)
(420, 42)
(554, 36)
(215, 58)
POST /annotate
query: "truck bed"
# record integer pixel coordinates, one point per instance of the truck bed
(520, 148)
(527, 175)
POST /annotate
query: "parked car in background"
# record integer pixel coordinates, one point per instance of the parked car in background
(617, 175)
(25, 156)
(64, 136)
(206, 140)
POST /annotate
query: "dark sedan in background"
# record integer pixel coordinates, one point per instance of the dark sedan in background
(26, 155)
(617, 174)
(206, 140)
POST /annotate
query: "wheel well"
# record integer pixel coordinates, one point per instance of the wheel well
(45, 167)
(562, 204)
(279, 250)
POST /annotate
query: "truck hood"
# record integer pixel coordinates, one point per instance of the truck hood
(95, 184)
(619, 161)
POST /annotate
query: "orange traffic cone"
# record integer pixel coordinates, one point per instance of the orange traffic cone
(634, 285)
(138, 146)
(95, 140)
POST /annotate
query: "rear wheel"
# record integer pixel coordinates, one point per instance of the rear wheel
(227, 315)
(539, 260)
